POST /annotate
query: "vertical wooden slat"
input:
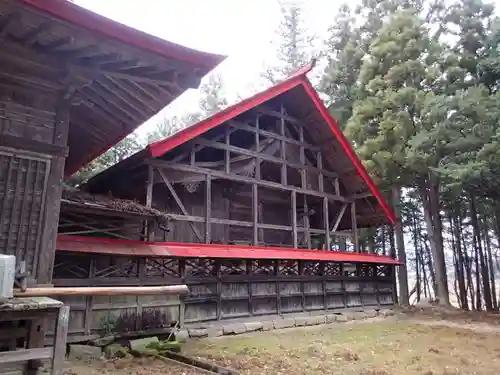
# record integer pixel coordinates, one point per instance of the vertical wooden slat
(321, 181)
(277, 285)
(257, 148)
(307, 234)
(89, 300)
(249, 286)
(24, 214)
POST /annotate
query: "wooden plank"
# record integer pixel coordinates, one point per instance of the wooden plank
(227, 153)
(218, 174)
(321, 180)
(179, 203)
(167, 290)
(60, 337)
(22, 355)
(14, 142)
(257, 149)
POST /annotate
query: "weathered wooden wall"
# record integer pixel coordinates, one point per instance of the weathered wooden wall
(219, 289)
(33, 136)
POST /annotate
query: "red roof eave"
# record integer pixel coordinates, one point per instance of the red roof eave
(93, 245)
(94, 22)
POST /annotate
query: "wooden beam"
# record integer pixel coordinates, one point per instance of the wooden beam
(167, 290)
(179, 202)
(339, 218)
(227, 153)
(284, 171)
(272, 113)
(11, 141)
(257, 149)
(235, 177)
(268, 134)
(243, 151)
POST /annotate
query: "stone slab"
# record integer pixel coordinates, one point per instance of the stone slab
(85, 353)
(253, 326)
(198, 332)
(284, 323)
(234, 329)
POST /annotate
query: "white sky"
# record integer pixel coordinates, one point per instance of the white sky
(241, 29)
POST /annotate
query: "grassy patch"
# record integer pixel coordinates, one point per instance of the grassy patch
(381, 348)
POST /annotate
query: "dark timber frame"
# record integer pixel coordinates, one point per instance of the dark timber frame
(254, 180)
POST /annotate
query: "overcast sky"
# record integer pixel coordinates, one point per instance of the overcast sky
(242, 30)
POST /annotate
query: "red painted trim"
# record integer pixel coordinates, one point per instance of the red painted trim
(93, 245)
(346, 146)
(94, 22)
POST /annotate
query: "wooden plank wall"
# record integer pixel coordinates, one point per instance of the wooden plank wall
(219, 289)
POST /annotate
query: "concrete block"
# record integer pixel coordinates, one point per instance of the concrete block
(359, 315)
(182, 335)
(197, 332)
(319, 319)
(234, 329)
(85, 353)
(253, 326)
(301, 321)
(284, 323)
(215, 331)
(330, 318)
(267, 325)
(371, 313)
(341, 318)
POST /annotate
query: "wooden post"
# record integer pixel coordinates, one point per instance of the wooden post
(208, 208)
(60, 337)
(284, 172)
(149, 234)
(354, 227)
(307, 234)
(321, 181)
(255, 214)
(295, 240)
(326, 223)
(257, 148)
(227, 153)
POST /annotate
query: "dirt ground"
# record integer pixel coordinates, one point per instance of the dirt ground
(416, 343)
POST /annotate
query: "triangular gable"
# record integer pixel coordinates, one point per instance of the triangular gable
(309, 98)
(299, 79)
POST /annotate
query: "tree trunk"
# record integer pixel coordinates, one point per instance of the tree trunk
(404, 295)
(392, 246)
(491, 269)
(430, 198)
(479, 252)
(460, 261)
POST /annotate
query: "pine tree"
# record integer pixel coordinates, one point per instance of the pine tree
(294, 47)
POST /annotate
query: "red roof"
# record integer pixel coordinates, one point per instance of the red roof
(91, 21)
(93, 245)
(296, 80)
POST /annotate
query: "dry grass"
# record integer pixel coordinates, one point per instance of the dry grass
(376, 348)
(144, 366)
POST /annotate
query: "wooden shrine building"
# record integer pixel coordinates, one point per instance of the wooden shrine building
(72, 84)
(257, 209)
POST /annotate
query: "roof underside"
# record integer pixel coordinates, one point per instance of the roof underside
(89, 245)
(302, 103)
(122, 77)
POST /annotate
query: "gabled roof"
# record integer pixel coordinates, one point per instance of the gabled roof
(124, 76)
(304, 97)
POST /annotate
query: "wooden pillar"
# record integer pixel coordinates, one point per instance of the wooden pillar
(255, 214)
(354, 227)
(227, 153)
(149, 234)
(284, 171)
(208, 208)
(46, 251)
(321, 181)
(326, 222)
(295, 240)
